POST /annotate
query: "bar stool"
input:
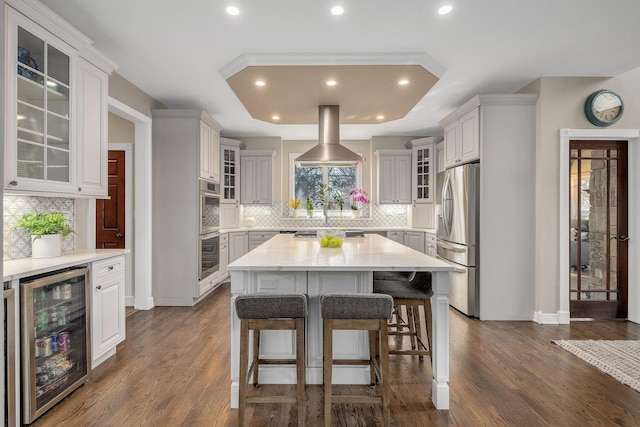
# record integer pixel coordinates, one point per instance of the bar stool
(410, 294)
(259, 312)
(369, 312)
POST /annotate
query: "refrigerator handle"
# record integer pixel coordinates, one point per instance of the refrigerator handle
(451, 248)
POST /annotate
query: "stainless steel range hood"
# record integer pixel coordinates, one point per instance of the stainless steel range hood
(329, 152)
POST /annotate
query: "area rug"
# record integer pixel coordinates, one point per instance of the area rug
(620, 359)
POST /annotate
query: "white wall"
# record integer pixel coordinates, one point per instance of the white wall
(560, 105)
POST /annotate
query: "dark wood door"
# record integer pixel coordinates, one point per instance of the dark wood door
(110, 213)
(599, 229)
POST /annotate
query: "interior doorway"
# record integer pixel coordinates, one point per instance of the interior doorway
(598, 237)
(111, 213)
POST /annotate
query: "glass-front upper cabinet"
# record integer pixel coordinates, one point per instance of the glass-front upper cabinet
(423, 173)
(230, 177)
(39, 149)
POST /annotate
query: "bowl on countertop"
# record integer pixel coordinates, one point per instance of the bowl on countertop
(331, 238)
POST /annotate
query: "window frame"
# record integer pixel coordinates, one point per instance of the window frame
(325, 179)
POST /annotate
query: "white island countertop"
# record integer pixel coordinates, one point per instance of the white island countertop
(372, 253)
(24, 267)
(285, 263)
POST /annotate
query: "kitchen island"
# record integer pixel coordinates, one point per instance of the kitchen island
(289, 264)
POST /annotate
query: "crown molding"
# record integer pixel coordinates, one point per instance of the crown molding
(336, 59)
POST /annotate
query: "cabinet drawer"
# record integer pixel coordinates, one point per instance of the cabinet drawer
(108, 267)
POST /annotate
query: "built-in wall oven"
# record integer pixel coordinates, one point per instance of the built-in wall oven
(209, 241)
(209, 254)
(209, 207)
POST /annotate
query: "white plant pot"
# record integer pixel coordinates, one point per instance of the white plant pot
(47, 246)
(356, 214)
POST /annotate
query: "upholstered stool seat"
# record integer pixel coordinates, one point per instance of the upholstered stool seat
(259, 312)
(410, 294)
(368, 312)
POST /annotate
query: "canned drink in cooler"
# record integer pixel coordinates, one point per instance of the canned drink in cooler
(57, 292)
(64, 342)
(66, 291)
(63, 316)
(42, 319)
(53, 316)
(46, 347)
(54, 343)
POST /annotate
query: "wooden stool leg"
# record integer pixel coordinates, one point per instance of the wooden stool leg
(411, 319)
(384, 368)
(256, 356)
(242, 393)
(429, 324)
(327, 368)
(373, 350)
(416, 312)
(300, 374)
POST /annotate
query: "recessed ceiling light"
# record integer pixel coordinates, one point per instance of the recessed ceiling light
(331, 82)
(232, 10)
(275, 117)
(380, 117)
(337, 10)
(260, 83)
(445, 9)
(403, 82)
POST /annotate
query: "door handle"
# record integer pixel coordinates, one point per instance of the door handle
(119, 235)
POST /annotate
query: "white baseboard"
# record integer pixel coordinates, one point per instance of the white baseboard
(129, 301)
(559, 318)
(148, 305)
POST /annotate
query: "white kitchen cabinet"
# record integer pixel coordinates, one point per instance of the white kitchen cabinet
(93, 154)
(256, 238)
(415, 240)
(56, 106)
(462, 139)
(176, 205)
(430, 244)
(423, 183)
(396, 236)
(209, 149)
(238, 244)
(423, 215)
(440, 163)
(256, 170)
(394, 176)
(224, 257)
(229, 183)
(107, 308)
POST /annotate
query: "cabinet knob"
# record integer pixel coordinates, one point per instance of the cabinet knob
(79, 188)
(110, 267)
(14, 182)
(99, 287)
(119, 235)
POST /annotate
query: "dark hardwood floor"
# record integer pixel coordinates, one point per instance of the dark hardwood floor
(173, 370)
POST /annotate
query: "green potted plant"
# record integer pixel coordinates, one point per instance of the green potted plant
(309, 206)
(47, 231)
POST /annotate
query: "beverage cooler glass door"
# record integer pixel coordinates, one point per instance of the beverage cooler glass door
(55, 338)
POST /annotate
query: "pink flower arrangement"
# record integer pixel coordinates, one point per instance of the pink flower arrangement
(359, 196)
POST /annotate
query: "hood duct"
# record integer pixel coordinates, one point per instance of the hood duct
(329, 152)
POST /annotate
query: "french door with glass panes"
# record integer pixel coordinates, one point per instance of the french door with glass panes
(598, 239)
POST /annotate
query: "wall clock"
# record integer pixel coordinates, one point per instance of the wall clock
(603, 108)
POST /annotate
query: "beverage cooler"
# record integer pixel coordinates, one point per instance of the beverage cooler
(55, 338)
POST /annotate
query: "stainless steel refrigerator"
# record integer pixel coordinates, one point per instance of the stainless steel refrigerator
(457, 196)
(55, 338)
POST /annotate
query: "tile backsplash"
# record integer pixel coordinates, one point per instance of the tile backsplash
(278, 216)
(16, 243)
